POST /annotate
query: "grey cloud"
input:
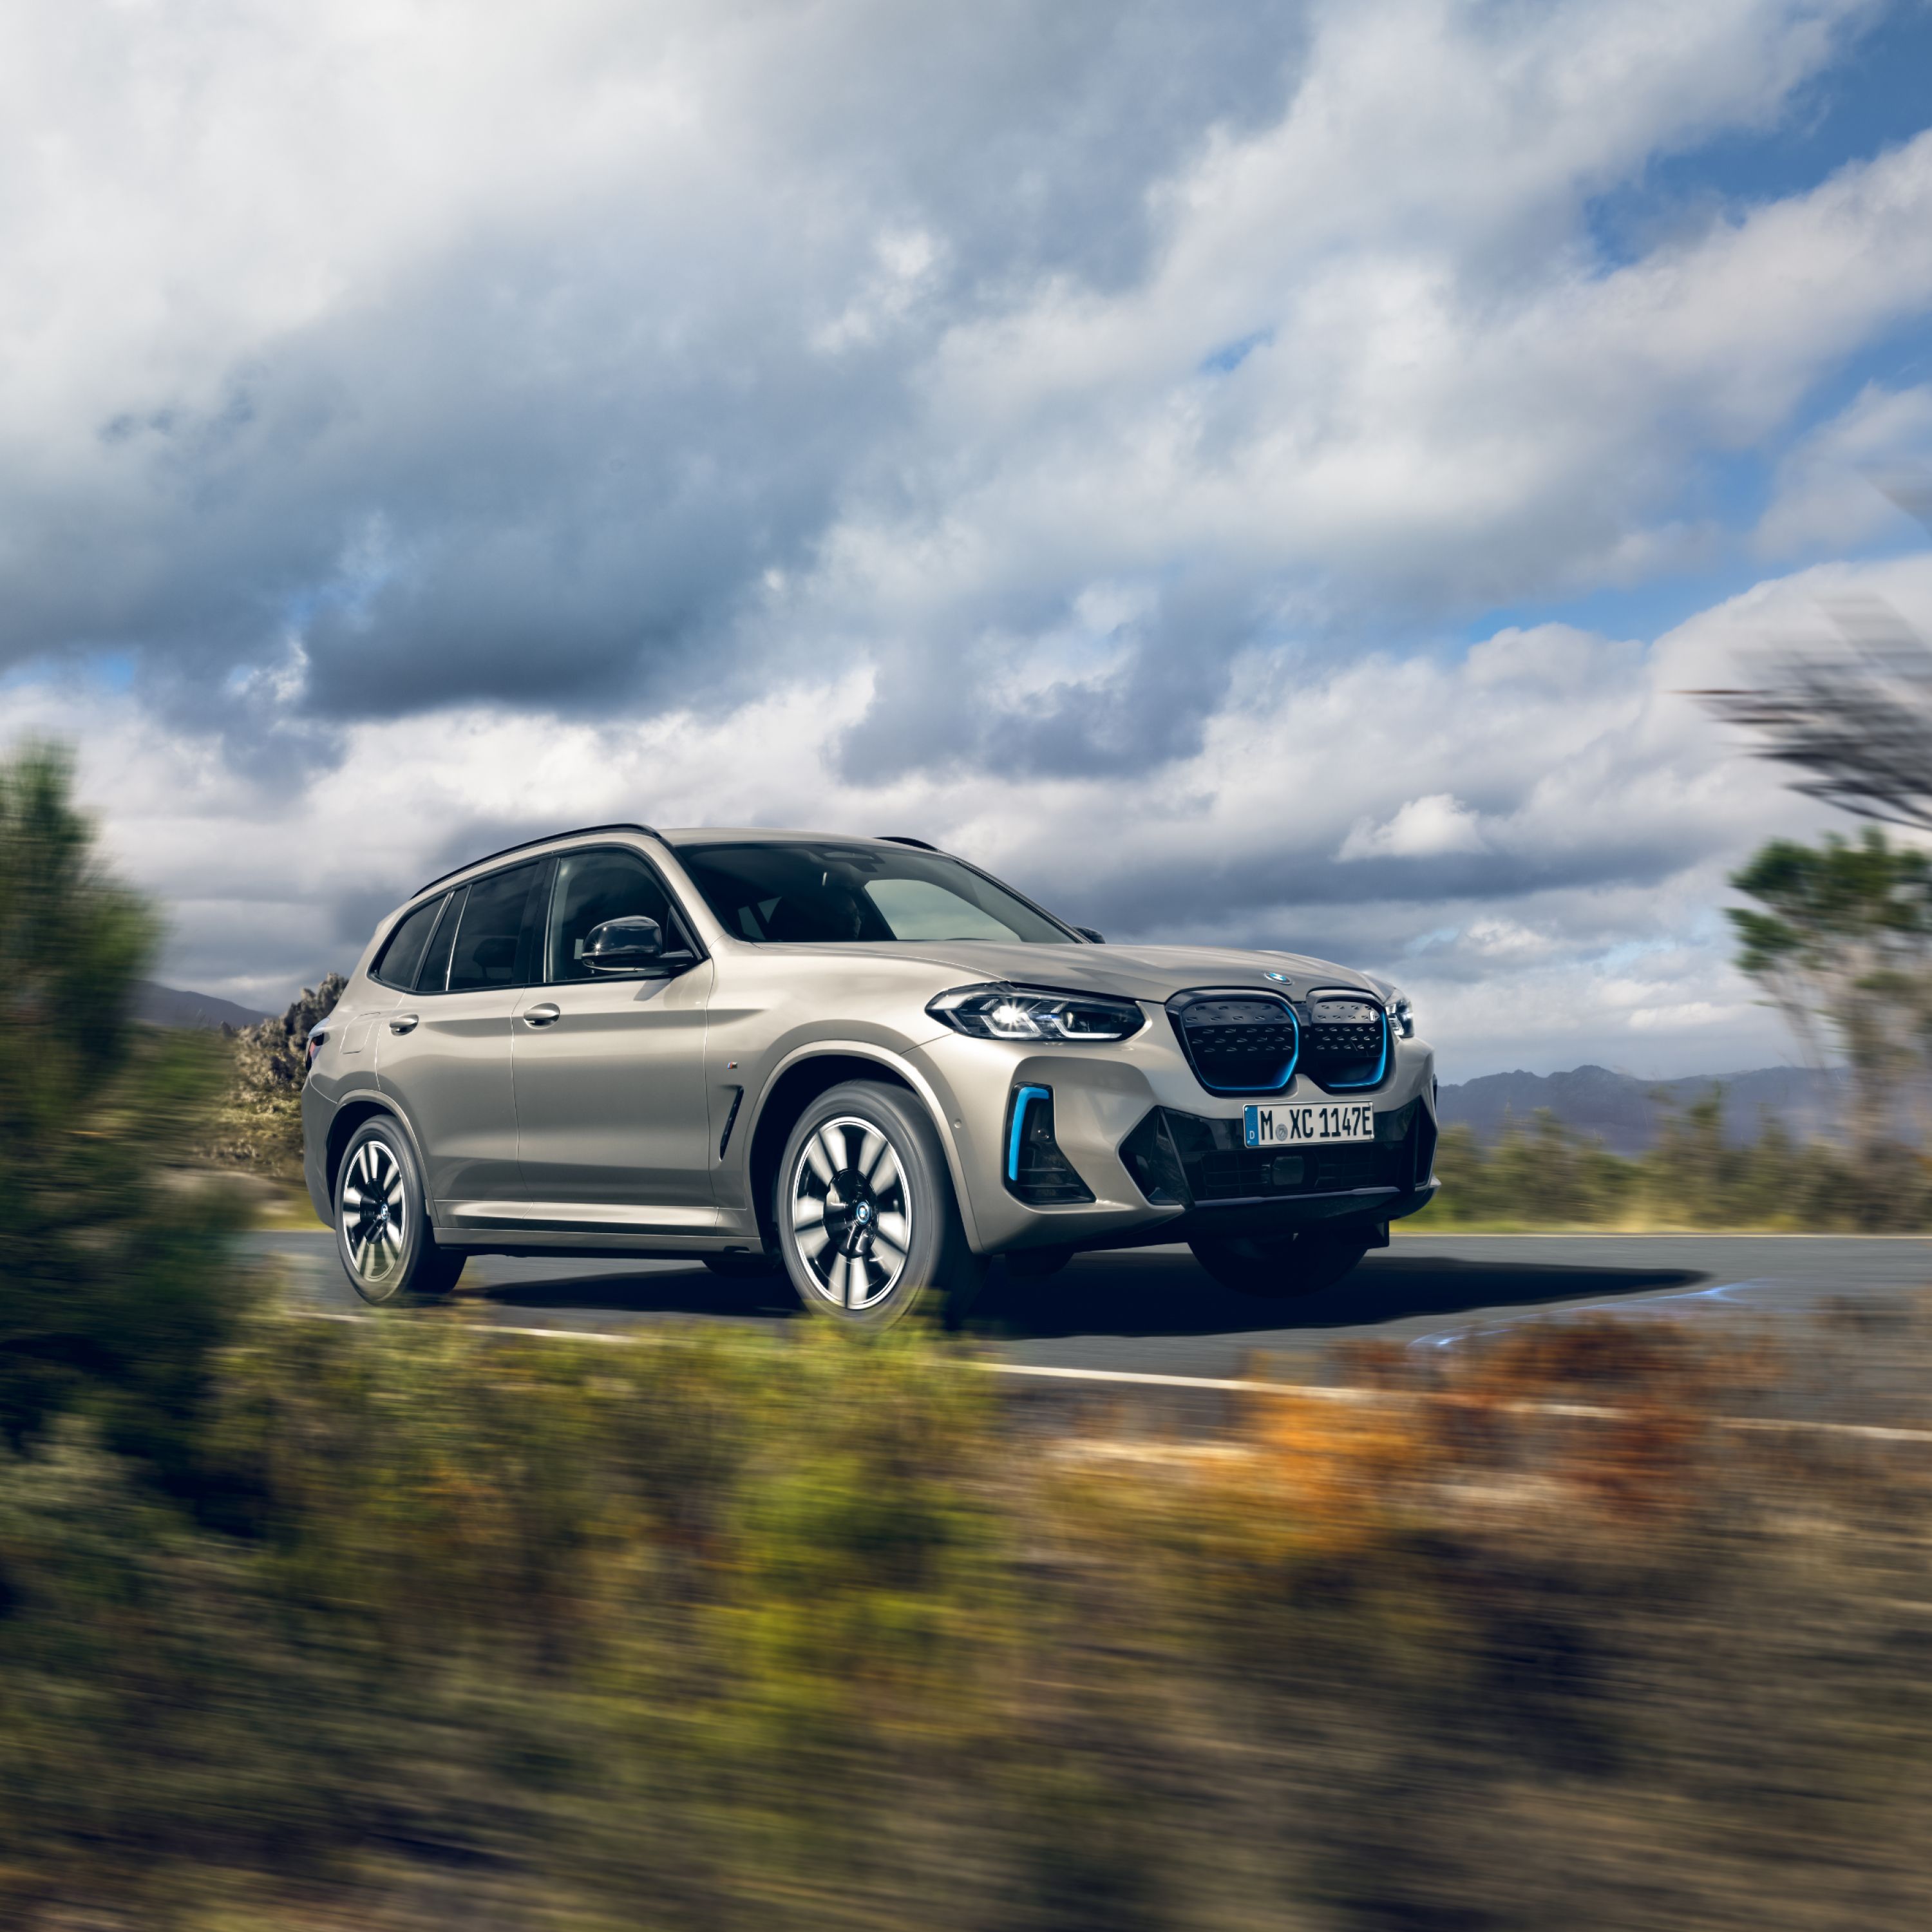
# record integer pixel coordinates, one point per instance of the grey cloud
(583, 435)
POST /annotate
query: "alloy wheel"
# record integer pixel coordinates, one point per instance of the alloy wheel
(851, 1213)
(374, 1227)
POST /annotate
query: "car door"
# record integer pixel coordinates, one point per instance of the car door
(443, 1052)
(613, 1126)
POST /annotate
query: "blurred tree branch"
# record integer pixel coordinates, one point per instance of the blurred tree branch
(1856, 721)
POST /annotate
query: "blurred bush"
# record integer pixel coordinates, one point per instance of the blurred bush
(257, 1127)
(1541, 1174)
(743, 1630)
(115, 1282)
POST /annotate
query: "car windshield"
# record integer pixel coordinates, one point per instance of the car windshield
(802, 893)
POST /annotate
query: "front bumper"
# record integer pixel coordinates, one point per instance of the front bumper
(1203, 1166)
(1115, 1109)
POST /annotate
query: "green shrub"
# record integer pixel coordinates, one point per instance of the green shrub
(115, 1281)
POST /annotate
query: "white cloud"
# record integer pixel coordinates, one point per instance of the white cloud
(1831, 491)
(1420, 829)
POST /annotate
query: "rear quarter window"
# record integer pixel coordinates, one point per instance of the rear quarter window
(402, 958)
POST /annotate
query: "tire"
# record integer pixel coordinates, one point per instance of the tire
(1280, 1270)
(868, 1229)
(743, 1267)
(438, 1272)
(382, 1235)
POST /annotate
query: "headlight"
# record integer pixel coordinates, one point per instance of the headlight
(1031, 1013)
(1401, 1015)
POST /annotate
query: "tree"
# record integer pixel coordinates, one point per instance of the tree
(1842, 946)
(1856, 722)
(115, 1281)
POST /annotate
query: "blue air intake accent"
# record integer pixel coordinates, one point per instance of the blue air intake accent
(1023, 1098)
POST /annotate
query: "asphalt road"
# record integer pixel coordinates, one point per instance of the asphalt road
(1155, 1312)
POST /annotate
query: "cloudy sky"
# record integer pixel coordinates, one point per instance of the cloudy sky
(1261, 472)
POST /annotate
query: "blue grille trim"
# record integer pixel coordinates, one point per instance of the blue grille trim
(1381, 1073)
(1182, 1004)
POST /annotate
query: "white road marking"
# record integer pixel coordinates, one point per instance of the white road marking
(1305, 1391)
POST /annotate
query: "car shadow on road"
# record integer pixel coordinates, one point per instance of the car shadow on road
(1164, 1291)
(1150, 1292)
(654, 1289)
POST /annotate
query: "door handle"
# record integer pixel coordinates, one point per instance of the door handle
(543, 1015)
(402, 1022)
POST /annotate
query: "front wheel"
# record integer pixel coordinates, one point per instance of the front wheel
(382, 1231)
(1284, 1267)
(868, 1226)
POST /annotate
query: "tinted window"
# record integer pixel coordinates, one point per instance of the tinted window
(828, 894)
(403, 955)
(436, 961)
(593, 886)
(496, 941)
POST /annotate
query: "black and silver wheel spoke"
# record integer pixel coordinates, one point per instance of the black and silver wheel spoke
(373, 1215)
(851, 1214)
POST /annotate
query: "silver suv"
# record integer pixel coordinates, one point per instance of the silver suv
(860, 1061)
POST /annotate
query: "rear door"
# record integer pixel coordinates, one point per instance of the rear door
(613, 1125)
(444, 1051)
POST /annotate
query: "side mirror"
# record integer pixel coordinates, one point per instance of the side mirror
(628, 945)
(1087, 933)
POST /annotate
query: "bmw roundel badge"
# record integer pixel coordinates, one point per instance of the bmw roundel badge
(1282, 977)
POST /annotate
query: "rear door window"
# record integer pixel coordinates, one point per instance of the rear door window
(496, 938)
(402, 958)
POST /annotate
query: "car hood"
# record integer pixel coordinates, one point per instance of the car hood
(1137, 972)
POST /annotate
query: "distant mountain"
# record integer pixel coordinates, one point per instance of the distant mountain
(1624, 1112)
(169, 1007)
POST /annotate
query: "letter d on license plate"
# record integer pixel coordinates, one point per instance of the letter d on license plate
(1300, 1126)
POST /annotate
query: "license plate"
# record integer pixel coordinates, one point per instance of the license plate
(1300, 1126)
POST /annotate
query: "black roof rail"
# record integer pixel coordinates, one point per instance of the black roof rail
(900, 839)
(524, 845)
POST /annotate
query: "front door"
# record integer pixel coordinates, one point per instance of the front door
(443, 1050)
(612, 1127)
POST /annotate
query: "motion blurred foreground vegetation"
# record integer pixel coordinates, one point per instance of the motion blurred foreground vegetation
(108, 1299)
(738, 1630)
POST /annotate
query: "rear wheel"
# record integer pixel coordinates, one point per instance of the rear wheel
(868, 1226)
(1281, 1268)
(382, 1231)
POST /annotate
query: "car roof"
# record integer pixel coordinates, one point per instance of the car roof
(766, 835)
(679, 838)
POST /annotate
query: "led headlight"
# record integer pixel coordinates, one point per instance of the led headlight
(1034, 1013)
(1395, 1003)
